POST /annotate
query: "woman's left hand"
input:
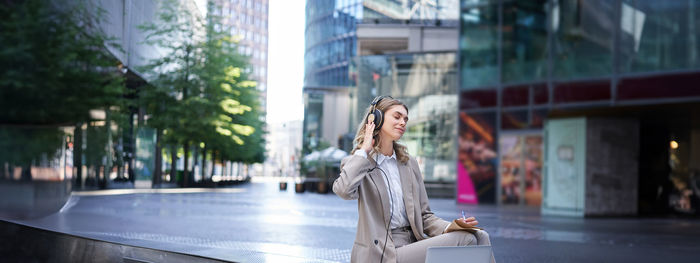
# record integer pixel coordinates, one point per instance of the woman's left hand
(469, 221)
(461, 224)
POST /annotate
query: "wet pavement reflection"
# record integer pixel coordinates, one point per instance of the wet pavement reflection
(256, 222)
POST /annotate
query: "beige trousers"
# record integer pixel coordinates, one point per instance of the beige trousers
(410, 251)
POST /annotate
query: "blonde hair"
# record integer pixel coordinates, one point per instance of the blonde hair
(383, 105)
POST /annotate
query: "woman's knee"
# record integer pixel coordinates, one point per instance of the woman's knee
(465, 238)
(483, 237)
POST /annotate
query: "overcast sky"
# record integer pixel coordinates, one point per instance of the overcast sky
(285, 65)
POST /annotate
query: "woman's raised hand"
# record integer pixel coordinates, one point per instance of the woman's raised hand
(369, 140)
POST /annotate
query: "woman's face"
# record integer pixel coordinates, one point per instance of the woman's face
(395, 119)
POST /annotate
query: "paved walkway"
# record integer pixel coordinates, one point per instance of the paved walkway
(256, 222)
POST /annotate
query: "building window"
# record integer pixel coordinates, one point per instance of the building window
(659, 35)
(583, 38)
(524, 48)
(479, 45)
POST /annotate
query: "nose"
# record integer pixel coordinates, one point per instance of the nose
(402, 122)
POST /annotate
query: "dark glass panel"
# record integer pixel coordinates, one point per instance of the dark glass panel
(540, 93)
(514, 120)
(538, 118)
(663, 86)
(581, 91)
(478, 99)
(515, 95)
(524, 41)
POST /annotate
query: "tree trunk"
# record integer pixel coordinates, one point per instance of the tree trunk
(11, 172)
(77, 156)
(157, 172)
(213, 162)
(101, 176)
(26, 173)
(221, 159)
(107, 168)
(195, 162)
(185, 171)
(132, 149)
(173, 163)
(204, 164)
(2, 170)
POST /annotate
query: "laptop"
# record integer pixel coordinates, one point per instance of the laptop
(477, 254)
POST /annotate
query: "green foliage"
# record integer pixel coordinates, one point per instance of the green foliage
(54, 65)
(200, 92)
(54, 69)
(20, 146)
(174, 86)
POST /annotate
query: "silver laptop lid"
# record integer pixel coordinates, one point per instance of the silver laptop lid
(476, 254)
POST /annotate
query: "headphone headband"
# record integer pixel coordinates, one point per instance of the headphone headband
(378, 99)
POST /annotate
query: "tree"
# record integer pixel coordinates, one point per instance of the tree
(237, 116)
(54, 69)
(200, 93)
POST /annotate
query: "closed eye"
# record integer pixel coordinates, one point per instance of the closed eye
(398, 116)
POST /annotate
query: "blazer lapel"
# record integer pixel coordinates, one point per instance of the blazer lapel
(407, 187)
(378, 179)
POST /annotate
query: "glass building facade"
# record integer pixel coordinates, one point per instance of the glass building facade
(427, 83)
(331, 44)
(331, 26)
(330, 41)
(248, 21)
(522, 62)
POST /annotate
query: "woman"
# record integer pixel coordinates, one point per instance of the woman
(395, 222)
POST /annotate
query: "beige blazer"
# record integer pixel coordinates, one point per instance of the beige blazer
(355, 182)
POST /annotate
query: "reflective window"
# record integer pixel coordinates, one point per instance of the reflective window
(477, 157)
(520, 170)
(514, 120)
(313, 116)
(659, 35)
(479, 45)
(427, 83)
(538, 117)
(388, 11)
(329, 41)
(524, 41)
(583, 38)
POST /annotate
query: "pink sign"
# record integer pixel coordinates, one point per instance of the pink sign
(465, 187)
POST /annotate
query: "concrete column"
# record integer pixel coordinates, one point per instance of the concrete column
(612, 161)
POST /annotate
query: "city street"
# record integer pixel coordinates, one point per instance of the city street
(255, 222)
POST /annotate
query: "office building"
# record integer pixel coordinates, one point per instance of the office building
(583, 107)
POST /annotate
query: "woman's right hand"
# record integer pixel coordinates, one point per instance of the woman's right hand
(369, 140)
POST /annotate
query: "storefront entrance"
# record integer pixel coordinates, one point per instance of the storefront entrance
(669, 161)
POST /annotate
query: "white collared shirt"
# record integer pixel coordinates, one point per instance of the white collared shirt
(389, 164)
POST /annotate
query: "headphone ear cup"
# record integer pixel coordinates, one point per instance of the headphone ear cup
(378, 119)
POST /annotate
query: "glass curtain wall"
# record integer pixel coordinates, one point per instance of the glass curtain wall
(659, 35)
(427, 83)
(36, 169)
(519, 59)
(479, 44)
(402, 11)
(313, 107)
(583, 38)
(524, 37)
(330, 41)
